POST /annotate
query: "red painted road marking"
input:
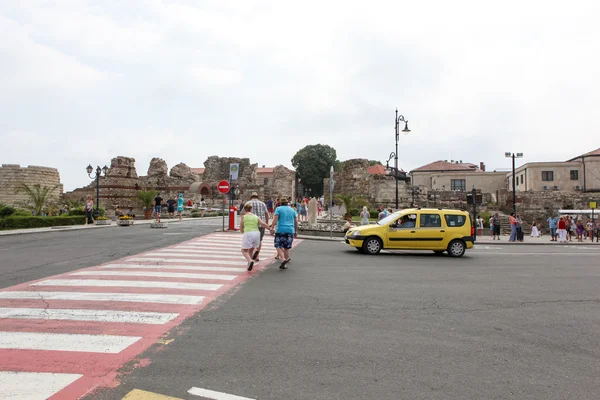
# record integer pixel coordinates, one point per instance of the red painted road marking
(99, 368)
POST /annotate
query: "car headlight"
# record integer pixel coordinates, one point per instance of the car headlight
(355, 233)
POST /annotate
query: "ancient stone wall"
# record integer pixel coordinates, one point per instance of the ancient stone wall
(13, 175)
(121, 184)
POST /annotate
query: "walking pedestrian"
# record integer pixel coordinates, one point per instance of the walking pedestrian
(261, 210)
(171, 207)
(286, 220)
(157, 206)
(513, 227)
(534, 229)
(496, 222)
(364, 216)
(89, 209)
(479, 225)
(180, 202)
(303, 210)
(250, 226)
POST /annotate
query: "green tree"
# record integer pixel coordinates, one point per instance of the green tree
(374, 162)
(38, 196)
(313, 162)
(146, 197)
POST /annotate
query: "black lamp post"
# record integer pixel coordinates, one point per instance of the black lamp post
(393, 171)
(99, 172)
(514, 182)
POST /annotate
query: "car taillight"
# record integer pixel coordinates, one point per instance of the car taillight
(472, 230)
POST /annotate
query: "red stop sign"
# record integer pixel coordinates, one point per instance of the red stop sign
(223, 187)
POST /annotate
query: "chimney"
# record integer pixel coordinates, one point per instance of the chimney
(482, 166)
(461, 161)
(263, 166)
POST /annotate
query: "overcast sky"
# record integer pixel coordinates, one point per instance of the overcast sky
(82, 82)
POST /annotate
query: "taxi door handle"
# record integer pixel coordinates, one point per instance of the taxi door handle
(442, 230)
(412, 231)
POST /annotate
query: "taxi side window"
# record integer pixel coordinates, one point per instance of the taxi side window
(455, 220)
(430, 221)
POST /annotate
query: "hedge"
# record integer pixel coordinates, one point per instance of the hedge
(39, 222)
(82, 212)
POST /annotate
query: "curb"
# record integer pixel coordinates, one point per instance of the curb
(68, 228)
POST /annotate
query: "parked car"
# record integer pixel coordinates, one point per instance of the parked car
(416, 229)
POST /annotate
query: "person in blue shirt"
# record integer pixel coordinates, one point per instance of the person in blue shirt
(553, 223)
(180, 206)
(286, 223)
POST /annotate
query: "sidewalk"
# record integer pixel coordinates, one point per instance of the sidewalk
(528, 240)
(91, 226)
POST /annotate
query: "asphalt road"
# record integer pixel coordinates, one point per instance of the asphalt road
(503, 322)
(28, 257)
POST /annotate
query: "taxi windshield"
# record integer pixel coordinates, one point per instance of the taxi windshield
(389, 219)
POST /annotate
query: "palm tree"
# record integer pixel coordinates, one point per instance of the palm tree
(346, 200)
(38, 196)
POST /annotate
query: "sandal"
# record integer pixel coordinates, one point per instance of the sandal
(250, 265)
(283, 264)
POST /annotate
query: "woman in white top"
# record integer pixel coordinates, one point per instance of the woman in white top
(89, 209)
(534, 230)
(364, 216)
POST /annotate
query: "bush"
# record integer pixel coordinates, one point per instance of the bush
(79, 211)
(355, 212)
(39, 222)
(22, 213)
(5, 210)
(374, 214)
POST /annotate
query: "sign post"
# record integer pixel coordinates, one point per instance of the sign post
(593, 207)
(331, 183)
(223, 188)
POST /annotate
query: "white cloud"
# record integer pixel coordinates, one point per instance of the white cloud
(184, 80)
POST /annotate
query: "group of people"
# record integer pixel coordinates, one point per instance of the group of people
(171, 204)
(256, 216)
(562, 229)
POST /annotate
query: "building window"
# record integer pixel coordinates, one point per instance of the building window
(458, 184)
(574, 175)
(266, 181)
(547, 176)
(521, 179)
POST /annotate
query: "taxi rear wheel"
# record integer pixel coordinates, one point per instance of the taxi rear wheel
(372, 245)
(456, 248)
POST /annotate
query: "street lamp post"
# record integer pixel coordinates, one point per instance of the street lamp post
(396, 173)
(514, 182)
(99, 172)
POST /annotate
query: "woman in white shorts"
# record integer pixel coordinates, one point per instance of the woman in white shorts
(251, 239)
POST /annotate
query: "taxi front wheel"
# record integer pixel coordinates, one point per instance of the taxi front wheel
(372, 245)
(456, 248)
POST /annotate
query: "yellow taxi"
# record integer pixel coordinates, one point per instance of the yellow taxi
(416, 229)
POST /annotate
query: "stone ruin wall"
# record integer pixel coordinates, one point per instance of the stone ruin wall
(13, 175)
(122, 182)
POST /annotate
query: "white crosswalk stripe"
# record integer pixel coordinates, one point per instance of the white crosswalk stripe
(185, 260)
(174, 266)
(120, 297)
(66, 342)
(158, 274)
(175, 253)
(134, 317)
(136, 283)
(16, 385)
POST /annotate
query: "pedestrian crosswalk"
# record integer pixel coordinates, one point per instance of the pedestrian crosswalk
(61, 334)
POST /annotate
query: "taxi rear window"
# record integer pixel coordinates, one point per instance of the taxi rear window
(455, 220)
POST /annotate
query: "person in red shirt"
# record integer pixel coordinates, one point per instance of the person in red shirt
(562, 230)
